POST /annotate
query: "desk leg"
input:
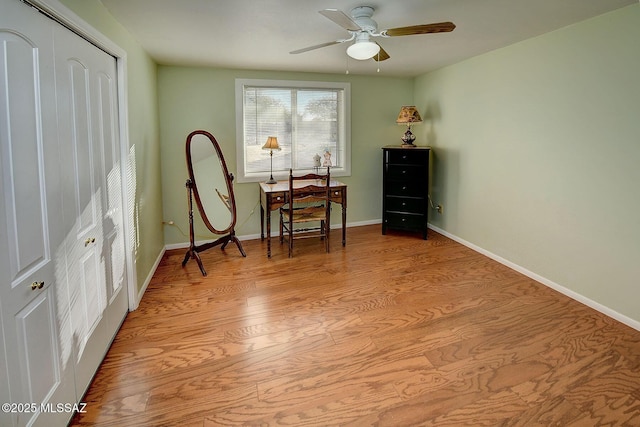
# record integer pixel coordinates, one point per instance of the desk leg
(344, 217)
(261, 222)
(269, 234)
(265, 210)
(344, 225)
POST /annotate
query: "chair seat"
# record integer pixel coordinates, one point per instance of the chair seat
(306, 214)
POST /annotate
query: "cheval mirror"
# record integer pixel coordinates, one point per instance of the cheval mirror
(211, 185)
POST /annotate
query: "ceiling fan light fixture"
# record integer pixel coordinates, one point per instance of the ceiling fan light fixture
(363, 50)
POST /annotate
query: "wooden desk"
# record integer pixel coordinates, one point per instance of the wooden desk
(273, 196)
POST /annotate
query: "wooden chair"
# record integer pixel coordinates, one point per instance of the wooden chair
(305, 206)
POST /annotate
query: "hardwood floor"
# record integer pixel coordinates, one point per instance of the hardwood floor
(391, 331)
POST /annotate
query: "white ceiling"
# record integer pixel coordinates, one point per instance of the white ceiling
(259, 34)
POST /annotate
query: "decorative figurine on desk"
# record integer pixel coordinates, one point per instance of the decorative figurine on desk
(327, 159)
(316, 163)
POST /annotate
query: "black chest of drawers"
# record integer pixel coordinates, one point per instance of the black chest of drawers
(405, 189)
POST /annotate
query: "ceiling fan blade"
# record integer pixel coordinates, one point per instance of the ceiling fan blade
(318, 46)
(340, 18)
(438, 27)
(382, 55)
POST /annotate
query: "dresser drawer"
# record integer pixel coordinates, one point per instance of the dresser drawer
(405, 204)
(405, 220)
(408, 157)
(404, 189)
(406, 172)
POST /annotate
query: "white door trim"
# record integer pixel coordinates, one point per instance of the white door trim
(72, 21)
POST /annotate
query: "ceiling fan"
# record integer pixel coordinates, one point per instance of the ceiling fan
(362, 28)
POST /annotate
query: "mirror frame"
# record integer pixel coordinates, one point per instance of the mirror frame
(228, 179)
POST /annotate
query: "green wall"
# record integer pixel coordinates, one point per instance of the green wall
(204, 98)
(537, 155)
(143, 134)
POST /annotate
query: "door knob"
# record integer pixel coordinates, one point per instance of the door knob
(37, 285)
(89, 241)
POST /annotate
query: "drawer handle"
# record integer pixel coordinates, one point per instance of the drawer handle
(404, 172)
(404, 188)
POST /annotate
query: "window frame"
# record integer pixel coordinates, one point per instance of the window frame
(344, 125)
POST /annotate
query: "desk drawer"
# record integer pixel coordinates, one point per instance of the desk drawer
(336, 196)
(278, 199)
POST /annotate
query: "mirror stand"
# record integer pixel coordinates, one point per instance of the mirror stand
(211, 186)
(194, 249)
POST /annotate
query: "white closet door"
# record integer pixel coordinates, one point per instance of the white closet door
(63, 290)
(37, 352)
(86, 84)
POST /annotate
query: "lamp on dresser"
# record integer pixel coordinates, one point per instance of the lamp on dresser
(408, 115)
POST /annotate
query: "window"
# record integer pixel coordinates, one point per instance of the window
(308, 118)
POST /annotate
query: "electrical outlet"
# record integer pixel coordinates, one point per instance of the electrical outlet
(440, 209)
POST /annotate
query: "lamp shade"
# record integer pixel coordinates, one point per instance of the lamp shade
(363, 50)
(408, 114)
(271, 144)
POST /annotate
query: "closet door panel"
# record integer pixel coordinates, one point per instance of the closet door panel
(82, 205)
(22, 158)
(37, 345)
(37, 357)
(113, 218)
(88, 133)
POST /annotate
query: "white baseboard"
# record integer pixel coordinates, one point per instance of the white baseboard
(359, 223)
(568, 292)
(176, 246)
(143, 289)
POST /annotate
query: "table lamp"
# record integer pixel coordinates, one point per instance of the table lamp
(271, 144)
(408, 116)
